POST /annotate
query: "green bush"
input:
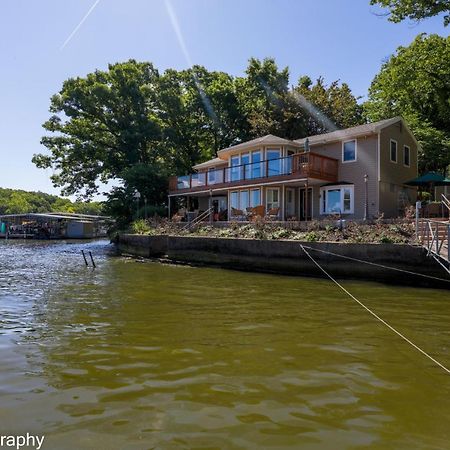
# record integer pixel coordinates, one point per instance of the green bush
(140, 226)
(312, 236)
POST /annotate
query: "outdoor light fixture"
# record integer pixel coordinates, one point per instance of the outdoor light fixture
(366, 197)
(137, 196)
(307, 145)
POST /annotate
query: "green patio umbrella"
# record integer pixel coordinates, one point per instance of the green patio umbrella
(429, 180)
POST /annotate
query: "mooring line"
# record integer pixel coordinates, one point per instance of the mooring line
(373, 313)
(378, 265)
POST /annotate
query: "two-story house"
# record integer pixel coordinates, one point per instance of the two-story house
(357, 172)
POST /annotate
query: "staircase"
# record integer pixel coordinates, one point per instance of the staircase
(434, 235)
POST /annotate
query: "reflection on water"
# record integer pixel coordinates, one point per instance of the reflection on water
(142, 355)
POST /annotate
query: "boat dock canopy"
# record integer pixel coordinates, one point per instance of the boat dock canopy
(51, 215)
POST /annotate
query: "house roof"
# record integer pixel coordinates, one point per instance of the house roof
(360, 130)
(210, 163)
(269, 139)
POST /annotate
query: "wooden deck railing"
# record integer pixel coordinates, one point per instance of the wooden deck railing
(299, 165)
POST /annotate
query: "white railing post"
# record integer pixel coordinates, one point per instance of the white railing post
(418, 205)
(448, 243)
(437, 238)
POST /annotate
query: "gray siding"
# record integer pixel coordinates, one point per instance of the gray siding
(353, 172)
(394, 195)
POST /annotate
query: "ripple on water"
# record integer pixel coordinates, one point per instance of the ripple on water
(150, 356)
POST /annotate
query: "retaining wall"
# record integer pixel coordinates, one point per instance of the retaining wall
(287, 257)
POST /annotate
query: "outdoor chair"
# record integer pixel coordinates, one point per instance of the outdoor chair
(257, 211)
(237, 214)
(273, 214)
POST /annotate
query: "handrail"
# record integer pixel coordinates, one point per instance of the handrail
(306, 164)
(435, 238)
(199, 218)
(446, 203)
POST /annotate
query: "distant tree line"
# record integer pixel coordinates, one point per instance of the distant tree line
(14, 201)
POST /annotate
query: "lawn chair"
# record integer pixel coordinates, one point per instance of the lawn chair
(237, 214)
(273, 214)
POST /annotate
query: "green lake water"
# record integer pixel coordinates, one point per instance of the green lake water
(139, 355)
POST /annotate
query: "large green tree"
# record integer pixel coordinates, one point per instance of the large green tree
(103, 125)
(415, 83)
(415, 9)
(329, 107)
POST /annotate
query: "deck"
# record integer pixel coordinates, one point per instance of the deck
(300, 166)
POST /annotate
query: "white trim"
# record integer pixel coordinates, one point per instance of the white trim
(409, 156)
(356, 151)
(342, 188)
(396, 151)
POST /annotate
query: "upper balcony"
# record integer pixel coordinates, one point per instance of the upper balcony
(296, 166)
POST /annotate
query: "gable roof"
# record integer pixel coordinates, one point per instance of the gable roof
(210, 162)
(269, 139)
(359, 130)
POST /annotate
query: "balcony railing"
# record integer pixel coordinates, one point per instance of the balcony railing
(299, 165)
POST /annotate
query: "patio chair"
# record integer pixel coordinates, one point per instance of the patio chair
(257, 211)
(237, 214)
(273, 214)
(179, 216)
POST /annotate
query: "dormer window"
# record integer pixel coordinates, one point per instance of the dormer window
(349, 151)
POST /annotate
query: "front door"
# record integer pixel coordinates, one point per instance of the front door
(305, 204)
(220, 208)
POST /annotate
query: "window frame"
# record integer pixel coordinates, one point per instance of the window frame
(251, 197)
(409, 155)
(341, 188)
(396, 151)
(267, 198)
(356, 151)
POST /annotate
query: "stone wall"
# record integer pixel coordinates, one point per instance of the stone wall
(288, 258)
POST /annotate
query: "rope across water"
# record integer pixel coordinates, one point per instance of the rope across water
(374, 314)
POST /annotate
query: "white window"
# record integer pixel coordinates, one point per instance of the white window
(245, 166)
(272, 198)
(256, 169)
(234, 199)
(337, 199)
(212, 175)
(255, 197)
(406, 156)
(274, 162)
(235, 169)
(243, 200)
(349, 151)
(393, 151)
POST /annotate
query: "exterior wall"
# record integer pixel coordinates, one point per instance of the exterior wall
(353, 172)
(394, 195)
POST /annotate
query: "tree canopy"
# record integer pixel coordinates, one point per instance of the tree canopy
(415, 9)
(14, 201)
(137, 126)
(415, 83)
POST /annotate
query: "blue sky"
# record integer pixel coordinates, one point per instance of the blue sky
(343, 40)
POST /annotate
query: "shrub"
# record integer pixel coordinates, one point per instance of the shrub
(140, 226)
(312, 236)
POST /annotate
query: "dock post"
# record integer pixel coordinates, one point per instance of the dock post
(92, 259)
(84, 257)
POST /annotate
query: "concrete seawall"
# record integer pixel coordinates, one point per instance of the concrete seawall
(287, 257)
